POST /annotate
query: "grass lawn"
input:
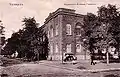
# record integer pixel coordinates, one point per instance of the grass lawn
(7, 62)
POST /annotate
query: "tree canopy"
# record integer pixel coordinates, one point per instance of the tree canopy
(102, 30)
(2, 31)
(30, 42)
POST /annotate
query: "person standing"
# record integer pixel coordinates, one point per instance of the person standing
(92, 59)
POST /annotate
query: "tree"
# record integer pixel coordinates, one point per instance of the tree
(91, 24)
(2, 37)
(104, 27)
(36, 39)
(30, 42)
(110, 16)
(12, 43)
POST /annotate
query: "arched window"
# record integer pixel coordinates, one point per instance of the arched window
(68, 29)
(78, 47)
(78, 29)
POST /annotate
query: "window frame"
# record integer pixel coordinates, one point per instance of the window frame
(51, 49)
(78, 47)
(52, 33)
(56, 30)
(68, 29)
(68, 48)
(56, 48)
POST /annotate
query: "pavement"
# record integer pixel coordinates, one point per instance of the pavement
(52, 68)
(84, 65)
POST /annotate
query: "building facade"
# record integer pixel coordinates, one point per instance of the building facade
(64, 28)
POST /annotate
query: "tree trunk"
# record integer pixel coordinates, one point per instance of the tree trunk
(38, 56)
(107, 55)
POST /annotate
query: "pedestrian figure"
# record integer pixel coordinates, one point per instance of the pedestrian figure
(92, 59)
(91, 48)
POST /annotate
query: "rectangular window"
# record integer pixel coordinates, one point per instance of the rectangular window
(56, 30)
(56, 48)
(51, 49)
(52, 32)
(68, 29)
(68, 48)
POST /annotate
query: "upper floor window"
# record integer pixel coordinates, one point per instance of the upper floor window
(68, 29)
(51, 31)
(56, 30)
(78, 32)
(78, 29)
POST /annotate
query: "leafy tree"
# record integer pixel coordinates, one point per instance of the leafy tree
(30, 42)
(91, 23)
(103, 30)
(2, 37)
(2, 33)
(36, 39)
(12, 43)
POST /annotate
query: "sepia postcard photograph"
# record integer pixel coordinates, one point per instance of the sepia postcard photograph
(59, 38)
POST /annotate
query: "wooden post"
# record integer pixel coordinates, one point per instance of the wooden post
(107, 55)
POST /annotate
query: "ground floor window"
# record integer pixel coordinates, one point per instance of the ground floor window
(68, 47)
(56, 48)
(51, 49)
(78, 47)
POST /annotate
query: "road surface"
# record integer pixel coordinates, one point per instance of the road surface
(46, 70)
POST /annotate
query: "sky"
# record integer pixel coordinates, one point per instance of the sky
(12, 15)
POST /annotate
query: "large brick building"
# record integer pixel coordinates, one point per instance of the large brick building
(64, 28)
